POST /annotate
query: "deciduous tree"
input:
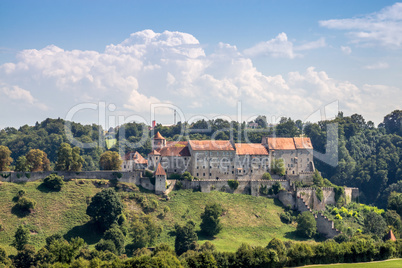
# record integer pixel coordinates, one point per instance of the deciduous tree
(105, 208)
(37, 160)
(110, 161)
(5, 158)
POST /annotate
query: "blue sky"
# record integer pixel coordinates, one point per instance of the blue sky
(277, 58)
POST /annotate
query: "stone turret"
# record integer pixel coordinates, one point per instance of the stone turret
(158, 141)
(160, 180)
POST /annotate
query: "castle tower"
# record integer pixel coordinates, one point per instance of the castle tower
(158, 142)
(160, 180)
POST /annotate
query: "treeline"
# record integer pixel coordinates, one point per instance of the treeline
(59, 252)
(369, 156)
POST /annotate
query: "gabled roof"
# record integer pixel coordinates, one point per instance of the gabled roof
(303, 143)
(158, 136)
(175, 149)
(154, 152)
(211, 145)
(390, 236)
(160, 171)
(136, 157)
(250, 149)
(281, 144)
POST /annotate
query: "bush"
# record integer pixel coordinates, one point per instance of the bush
(233, 184)
(266, 176)
(21, 193)
(286, 217)
(54, 182)
(178, 185)
(264, 190)
(319, 194)
(26, 204)
(306, 224)
(276, 187)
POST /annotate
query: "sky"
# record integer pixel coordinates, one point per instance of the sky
(111, 62)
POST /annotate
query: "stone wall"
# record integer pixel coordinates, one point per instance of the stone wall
(310, 197)
(125, 176)
(324, 225)
(251, 187)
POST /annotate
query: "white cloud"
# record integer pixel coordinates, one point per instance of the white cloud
(281, 47)
(17, 94)
(377, 66)
(173, 67)
(347, 50)
(380, 28)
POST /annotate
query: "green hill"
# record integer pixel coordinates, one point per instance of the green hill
(253, 220)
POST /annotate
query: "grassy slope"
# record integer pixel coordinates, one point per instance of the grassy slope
(380, 264)
(55, 212)
(248, 219)
(253, 220)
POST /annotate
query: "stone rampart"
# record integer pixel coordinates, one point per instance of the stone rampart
(123, 176)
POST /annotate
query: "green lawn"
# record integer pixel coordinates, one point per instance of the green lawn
(393, 263)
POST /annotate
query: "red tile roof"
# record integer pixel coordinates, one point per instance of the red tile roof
(158, 136)
(250, 149)
(211, 145)
(154, 152)
(303, 143)
(175, 151)
(160, 171)
(281, 144)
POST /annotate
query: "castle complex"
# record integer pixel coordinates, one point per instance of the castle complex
(224, 159)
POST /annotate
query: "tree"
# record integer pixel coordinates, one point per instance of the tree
(306, 224)
(115, 235)
(375, 224)
(106, 245)
(37, 160)
(21, 237)
(186, 237)
(280, 249)
(105, 208)
(25, 257)
(22, 164)
(4, 260)
(266, 176)
(210, 224)
(5, 159)
(395, 202)
(54, 182)
(69, 159)
(278, 167)
(393, 122)
(110, 161)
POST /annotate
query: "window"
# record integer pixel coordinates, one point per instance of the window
(197, 174)
(210, 174)
(203, 174)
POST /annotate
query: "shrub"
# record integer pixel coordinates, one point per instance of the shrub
(264, 190)
(25, 204)
(286, 217)
(276, 187)
(21, 193)
(233, 184)
(319, 194)
(179, 185)
(54, 182)
(266, 176)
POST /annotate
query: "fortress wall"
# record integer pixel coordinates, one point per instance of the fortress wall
(287, 199)
(126, 176)
(310, 197)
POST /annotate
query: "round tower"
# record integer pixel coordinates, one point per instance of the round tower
(158, 142)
